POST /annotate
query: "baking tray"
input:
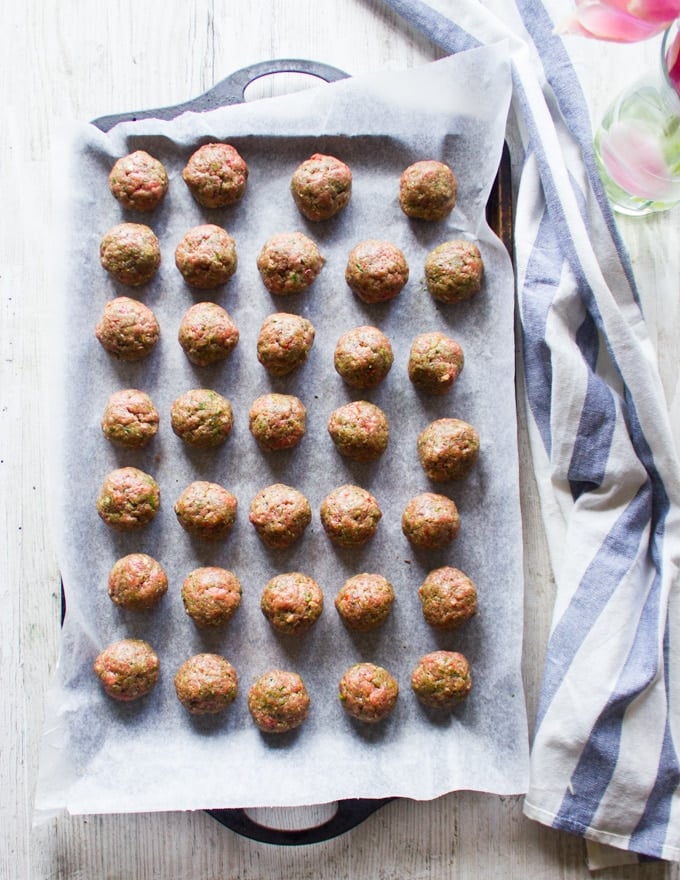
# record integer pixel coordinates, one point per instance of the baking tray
(499, 212)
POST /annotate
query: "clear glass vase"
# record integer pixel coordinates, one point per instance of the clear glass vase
(637, 145)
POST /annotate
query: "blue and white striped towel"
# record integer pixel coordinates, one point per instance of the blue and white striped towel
(605, 759)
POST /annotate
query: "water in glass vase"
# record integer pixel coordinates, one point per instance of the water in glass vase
(637, 145)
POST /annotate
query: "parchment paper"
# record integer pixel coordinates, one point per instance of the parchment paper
(102, 756)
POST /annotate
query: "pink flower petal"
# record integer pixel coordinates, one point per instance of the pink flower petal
(620, 21)
(621, 5)
(635, 161)
(663, 11)
(673, 62)
(604, 23)
(652, 10)
(571, 26)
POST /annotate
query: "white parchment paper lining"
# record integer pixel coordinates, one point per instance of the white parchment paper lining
(102, 756)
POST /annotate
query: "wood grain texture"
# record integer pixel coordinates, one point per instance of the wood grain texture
(77, 60)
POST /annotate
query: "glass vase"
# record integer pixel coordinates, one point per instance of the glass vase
(637, 145)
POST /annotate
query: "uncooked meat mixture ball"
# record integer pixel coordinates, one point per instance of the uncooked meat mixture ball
(206, 684)
(277, 421)
(292, 603)
(206, 510)
(368, 692)
(447, 449)
(131, 253)
(284, 343)
(448, 598)
(430, 521)
(127, 329)
(289, 263)
(280, 515)
(350, 515)
(202, 418)
(207, 334)
(363, 357)
(360, 430)
(376, 270)
(130, 419)
(216, 175)
(211, 595)
(453, 271)
(435, 362)
(128, 499)
(127, 669)
(364, 601)
(321, 186)
(278, 701)
(206, 256)
(139, 181)
(428, 190)
(137, 581)
(441, 679)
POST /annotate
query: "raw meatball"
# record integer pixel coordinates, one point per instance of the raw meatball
(206, 684)
(137, 582)
(206, 256)
(376, 271)
(278, 701)
(363, 357)
(130, 419)
(368, 692)
(435, 362)
(127, 329)
(202, 418)
(428, 190)
(207, 334)
(447, 449)
(448, 598)
(131, 253)
(277, 421)
(453, 271)
(139, 181)
(128, 499)
(321, 186)
(430, 521)
(289, 263)
(364, 601)
(206, 510)
(350, 516)
(359, 430)
(127, 669)
(284, 343)
(211, 595)
(292, 603)
(280, 515)
(441, 679)
(216, 175)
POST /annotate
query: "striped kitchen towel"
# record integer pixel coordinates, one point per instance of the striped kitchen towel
(605, 750)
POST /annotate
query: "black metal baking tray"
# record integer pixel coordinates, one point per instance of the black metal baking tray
(231, 90)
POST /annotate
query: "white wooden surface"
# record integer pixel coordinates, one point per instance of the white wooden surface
(67, 59)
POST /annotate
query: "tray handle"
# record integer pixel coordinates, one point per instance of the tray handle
(348, 815)
(230, 90)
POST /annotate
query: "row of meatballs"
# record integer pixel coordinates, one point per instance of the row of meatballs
(292, 602)
(203, 418)
(289, 263)
(130, 498)
(363, 356)
(321, 186)
(278, 701)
